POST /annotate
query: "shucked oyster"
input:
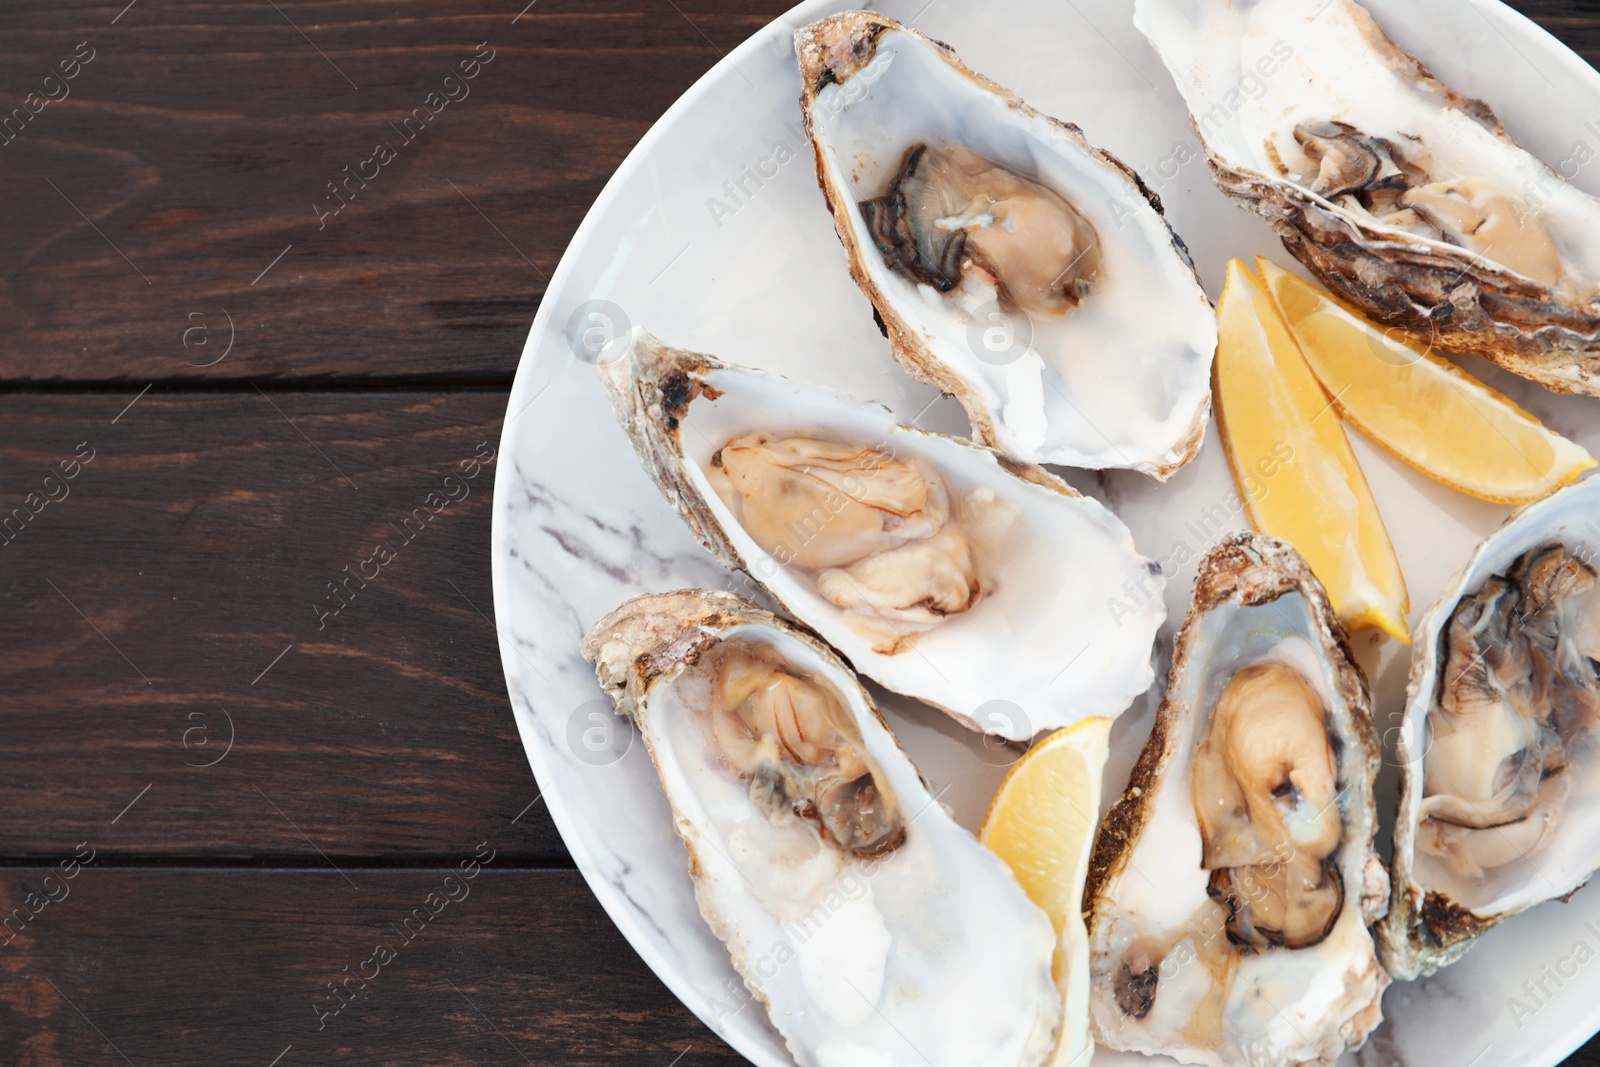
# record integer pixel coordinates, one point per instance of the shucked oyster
(1012, 264)
(1265, 787)
(894, 553)
(940, 569)
(1401, 195)
(872, 927)
(1232, 885)
(1500, 791)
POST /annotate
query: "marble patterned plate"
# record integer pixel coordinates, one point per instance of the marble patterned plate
(714, 236)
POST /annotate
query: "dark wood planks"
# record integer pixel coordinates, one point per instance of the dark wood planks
(228, 967)
(201, 135)
(1576, 23)
(144, 609)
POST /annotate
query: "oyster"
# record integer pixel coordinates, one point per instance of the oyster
(1011, 263)
(1232, 886)
(940, 569)
(1399, 194)
(1499, 782)
(871, 926)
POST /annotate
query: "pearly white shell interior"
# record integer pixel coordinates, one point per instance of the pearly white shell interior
(1067, 629)
(930, 955)
(1120, 381)
(1570, 853)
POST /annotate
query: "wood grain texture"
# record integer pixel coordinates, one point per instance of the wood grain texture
(142, 610)
(201, 137)
(1576, 23)
(191, 967)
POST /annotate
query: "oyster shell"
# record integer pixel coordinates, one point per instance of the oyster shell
(1012, 264)
(871, 926)
(1232, 885)
(1500, 790)
(1402, 196)
(940, 569)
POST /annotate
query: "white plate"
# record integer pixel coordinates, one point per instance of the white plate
(755, 275)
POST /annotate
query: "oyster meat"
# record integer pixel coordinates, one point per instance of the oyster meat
(952, 218)
(871, 927)
(1402, 196)
(1232, 886)
(893, 557)
(1500, 792)
(939, 568)
(1012, 264)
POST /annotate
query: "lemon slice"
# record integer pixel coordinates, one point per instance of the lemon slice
(1042, 822)
(1293, 464)
(1423, 408)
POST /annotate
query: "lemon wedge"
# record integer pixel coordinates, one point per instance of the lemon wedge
(1293, 464)
(1042, 822)
(1423, 408)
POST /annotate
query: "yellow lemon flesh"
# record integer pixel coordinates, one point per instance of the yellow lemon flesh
(1423, 408)
(1293, 464)
(1042, 822)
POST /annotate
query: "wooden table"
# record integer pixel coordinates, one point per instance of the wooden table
(216, 394)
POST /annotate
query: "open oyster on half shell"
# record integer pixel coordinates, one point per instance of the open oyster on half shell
(1232, 886)
(940, 569)
(1500, 777)
(1012, 264)
(871, 926)
(1402, 196)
